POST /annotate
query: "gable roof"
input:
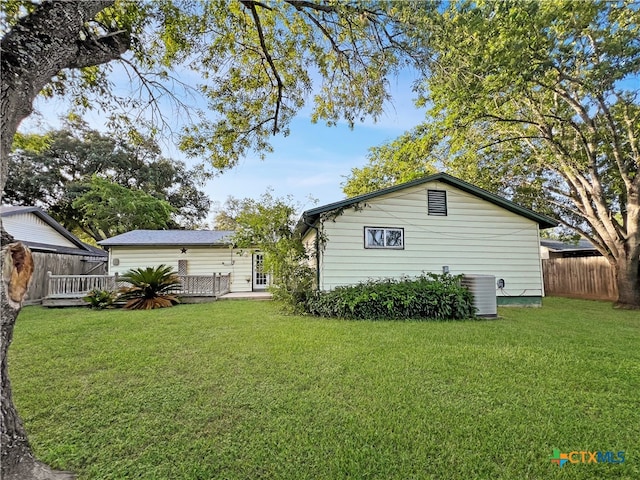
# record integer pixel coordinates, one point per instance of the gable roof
(82, 248)
(169, 237)
(310, 217)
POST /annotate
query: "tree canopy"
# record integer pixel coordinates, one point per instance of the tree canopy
(539, 100)
(56, 169)
(255, 63)
(107, 209)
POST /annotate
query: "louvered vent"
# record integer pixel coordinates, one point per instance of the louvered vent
(437, 202)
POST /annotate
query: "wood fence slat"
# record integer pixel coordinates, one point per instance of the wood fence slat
(581, 277)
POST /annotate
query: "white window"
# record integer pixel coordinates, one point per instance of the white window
(383, 237)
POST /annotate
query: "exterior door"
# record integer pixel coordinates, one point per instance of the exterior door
(260, 277)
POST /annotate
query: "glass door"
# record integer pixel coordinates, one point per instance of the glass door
(260, 277)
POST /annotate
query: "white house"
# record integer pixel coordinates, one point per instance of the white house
(433, 224)
(54, 248)
(188, 252)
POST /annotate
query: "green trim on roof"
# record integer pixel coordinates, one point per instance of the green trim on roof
(312, 215)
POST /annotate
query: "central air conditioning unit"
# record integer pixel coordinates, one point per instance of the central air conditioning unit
(483, 289)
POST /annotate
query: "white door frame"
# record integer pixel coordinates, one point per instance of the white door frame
(260, 279)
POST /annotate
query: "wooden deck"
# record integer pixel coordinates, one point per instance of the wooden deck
(69, 290)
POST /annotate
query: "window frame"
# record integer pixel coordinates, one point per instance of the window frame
(367, 246)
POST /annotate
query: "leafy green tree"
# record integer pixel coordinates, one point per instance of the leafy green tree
(53, 169)
(269, 224)
(108, 209)
(256, 61)
(227, 214)
(412, 155)
(538, 100)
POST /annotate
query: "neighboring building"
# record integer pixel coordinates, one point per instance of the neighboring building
(189, 252)
(557, 249)
(433, 224)
(54, 248)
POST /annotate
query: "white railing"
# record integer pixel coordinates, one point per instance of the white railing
(75, 286)
(204, 285)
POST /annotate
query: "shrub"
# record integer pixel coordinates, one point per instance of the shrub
(293, 286)
(429, 296)
(152, 287)
(100, 299)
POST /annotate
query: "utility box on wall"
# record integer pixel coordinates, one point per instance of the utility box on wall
(483, 289)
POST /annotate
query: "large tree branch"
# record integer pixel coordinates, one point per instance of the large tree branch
(591, 190)
(265, 51)
(98, 50)
(603, 225)
(38, 47)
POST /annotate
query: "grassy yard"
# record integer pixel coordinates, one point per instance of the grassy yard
(235, 390)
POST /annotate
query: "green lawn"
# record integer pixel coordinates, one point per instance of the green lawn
(235, 390)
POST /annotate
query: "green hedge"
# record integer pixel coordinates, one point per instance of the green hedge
(430, 296)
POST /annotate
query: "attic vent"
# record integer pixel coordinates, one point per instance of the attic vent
(437, 202)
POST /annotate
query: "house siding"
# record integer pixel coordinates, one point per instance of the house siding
(475, 237)
(309, 242)
(30, 228)
(200, 261)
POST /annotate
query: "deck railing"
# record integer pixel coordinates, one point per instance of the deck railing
(76, 286)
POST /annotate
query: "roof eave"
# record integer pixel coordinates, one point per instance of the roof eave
(45, 217)
(542, 220)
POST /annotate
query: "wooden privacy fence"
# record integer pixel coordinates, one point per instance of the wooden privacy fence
(77, 286)
(580, 277)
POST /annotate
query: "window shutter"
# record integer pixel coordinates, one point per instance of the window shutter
(437, 202)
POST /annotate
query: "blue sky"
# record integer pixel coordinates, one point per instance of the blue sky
(315, 159)
(312, 161)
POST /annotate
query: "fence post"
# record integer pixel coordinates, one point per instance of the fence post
(48, 284)
(213, 285)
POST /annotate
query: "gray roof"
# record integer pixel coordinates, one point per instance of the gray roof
(558, 246)
(83, 248)
(311, 216)
(169, 237)
(8, 210)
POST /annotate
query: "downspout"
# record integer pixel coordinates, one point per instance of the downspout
(304, 220)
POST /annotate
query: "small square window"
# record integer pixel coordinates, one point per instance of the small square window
(437, 202)
(382, 237)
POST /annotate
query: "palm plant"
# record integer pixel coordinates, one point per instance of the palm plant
(151, 287)
(100, 299)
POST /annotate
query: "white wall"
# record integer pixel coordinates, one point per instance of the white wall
(30, 228)
(476, 237)
(200, 261)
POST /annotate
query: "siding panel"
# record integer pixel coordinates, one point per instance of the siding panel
(476, 237)
(30, 228)
(200, 261)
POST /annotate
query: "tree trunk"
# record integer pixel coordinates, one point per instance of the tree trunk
(627, 271)
(16, 458)
(34, 50)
